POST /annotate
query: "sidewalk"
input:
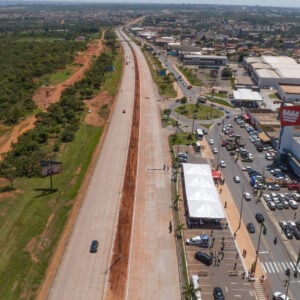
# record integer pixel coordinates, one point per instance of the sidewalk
(242, 237)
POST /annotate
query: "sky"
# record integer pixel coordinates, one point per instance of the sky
(279, 3)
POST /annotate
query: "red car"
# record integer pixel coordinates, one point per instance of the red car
(189, 87)
(293, 186)
(124, 111)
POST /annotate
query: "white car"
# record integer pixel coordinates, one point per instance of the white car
(247, 196)
(222, 164)
(236, 179)
(211, 141)
(293, 204)
(280, 296)
(215, 150)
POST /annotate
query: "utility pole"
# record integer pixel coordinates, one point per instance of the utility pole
(257, 249)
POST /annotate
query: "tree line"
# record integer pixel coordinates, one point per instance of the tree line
(58, 124)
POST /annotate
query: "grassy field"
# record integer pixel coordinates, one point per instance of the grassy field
(60, 76)
(191, 77)
(222, 102)
(182, 138)
(32, 217)
(199, 112)
(27, 242)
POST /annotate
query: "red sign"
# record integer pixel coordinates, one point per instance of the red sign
(289, 115)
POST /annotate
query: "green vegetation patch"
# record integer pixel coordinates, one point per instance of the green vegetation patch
(59, 76)
(199, 111)
(191, 77)
(164, 82)
(182, 138)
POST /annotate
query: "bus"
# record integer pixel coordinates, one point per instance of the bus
(199, 133)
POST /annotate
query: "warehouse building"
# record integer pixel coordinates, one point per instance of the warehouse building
(269, 71)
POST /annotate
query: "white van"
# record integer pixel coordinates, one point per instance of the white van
(196, 286)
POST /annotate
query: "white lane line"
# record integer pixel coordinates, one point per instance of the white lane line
(263, 266)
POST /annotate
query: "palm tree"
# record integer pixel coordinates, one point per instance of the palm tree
(175, 201)
(178, 230)
(189, 291)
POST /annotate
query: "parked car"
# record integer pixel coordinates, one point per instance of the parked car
(273, 187)
(211, 141)
(218, 294)
(94, 246)
(259, 218)
(199, 240)
(204, 258)
(251, 227)
(236, 179)
(271, 205)
(293, 204)
(296, 233)
(288, 233)
(283, 224)
(267, 197)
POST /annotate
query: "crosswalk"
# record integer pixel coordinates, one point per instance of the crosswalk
(278, 266)
(259, 290)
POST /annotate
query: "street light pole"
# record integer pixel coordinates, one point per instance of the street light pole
(287, 283)
(257, 249)
(241, 209)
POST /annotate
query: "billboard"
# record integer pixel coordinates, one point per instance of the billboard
(289, 115)
(50, 167)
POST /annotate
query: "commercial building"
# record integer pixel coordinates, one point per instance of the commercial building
(201, 198)
(269, 71)
(246, 98)
(202, 61)
(289, 93)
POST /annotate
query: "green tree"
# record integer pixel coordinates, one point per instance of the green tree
(226, 72)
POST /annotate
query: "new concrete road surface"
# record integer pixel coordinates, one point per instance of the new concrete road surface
(153, 270)
(83, 275)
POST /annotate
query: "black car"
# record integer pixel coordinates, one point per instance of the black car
(94, 246)
(204, 258)
(251, 228)
(297, 234)
(218, 294)
(288, 233)
(259, 218)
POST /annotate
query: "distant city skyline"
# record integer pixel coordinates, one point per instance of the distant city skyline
(276, 3)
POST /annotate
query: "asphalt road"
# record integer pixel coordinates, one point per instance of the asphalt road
(83, 275)
(275, 259)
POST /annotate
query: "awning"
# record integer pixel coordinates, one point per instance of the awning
(263, 136)
(246, 117)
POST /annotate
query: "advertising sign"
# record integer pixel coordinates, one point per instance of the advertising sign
(50, 167)
(289, 115)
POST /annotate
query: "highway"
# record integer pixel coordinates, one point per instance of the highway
(83, 275)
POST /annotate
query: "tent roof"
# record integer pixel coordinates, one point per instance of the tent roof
(202, 198)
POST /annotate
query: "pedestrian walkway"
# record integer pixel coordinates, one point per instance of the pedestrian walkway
(272, 267)
(242, 238)
(259, 290)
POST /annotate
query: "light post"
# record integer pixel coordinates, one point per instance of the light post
(288, 274)
(241, 209)
(257, 249)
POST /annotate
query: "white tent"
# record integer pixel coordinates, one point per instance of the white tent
(201, 195)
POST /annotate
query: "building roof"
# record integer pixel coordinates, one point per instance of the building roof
(201, 195)
(290, 89)
(246, 94)
(266, 73)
